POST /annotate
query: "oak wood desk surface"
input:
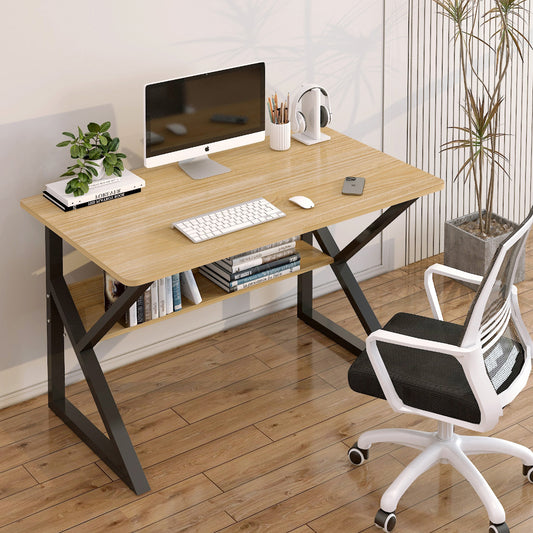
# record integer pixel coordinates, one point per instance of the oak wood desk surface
(132, 237)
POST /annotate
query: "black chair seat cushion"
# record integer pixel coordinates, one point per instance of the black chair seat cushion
(425, 380)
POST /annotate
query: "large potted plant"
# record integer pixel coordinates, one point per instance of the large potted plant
(470, 241)
(95, 152)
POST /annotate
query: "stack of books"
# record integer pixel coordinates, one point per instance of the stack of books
(108, 188)
(253, 267)
(161, 298)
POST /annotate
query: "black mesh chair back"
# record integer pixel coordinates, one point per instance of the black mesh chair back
(490, 318)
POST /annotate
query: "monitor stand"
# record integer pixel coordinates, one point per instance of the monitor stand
(202, 167)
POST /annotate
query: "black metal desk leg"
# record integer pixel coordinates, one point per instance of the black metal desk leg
(346, 279)
(317, 320)
(305, 286)
(54, 326)
(116, 448)
(348, 283)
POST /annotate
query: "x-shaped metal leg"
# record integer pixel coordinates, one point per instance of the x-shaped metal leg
(115, 448)
(346, 279)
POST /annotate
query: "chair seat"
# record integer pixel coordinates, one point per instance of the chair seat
(425, 380)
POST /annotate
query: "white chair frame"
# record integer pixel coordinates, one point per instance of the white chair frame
(444, 445)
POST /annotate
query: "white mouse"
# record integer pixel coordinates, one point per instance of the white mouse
(177, 128)
(302, 201)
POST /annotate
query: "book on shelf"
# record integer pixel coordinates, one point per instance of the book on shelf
(276, 260)
(147, 299)
(127, 184)
(257, 254)
(140, 309)
(189, 288)
(112, 290)
(169, 296)
(154, 299)
(176, 292)
(244, 283)
(258, 261)
(166, 295)
(161, 298)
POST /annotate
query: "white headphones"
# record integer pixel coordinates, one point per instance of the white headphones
(299, 123)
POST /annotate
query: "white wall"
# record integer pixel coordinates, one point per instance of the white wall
(66, 63)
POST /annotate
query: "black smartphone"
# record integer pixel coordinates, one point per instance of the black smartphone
(353, 185)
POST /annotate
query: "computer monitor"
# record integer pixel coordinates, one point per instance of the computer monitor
(188, 118)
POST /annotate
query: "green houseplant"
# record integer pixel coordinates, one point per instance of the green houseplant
(96, 155)
(478, 138)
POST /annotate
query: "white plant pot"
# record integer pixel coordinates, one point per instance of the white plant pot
(99, 168)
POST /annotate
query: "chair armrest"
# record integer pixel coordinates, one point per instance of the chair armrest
(471, 362)
(449, 272)
(400, 339)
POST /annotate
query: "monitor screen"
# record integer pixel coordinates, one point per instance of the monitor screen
(197, 115)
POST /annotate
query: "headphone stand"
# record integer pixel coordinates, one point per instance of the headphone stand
(303, 138)
(311, 111)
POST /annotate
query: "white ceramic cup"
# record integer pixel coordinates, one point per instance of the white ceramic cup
(280, 136)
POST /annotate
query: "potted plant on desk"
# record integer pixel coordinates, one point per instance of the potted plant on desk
(96, 156)
(470, 241)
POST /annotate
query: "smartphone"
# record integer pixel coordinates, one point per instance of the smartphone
(353, 185)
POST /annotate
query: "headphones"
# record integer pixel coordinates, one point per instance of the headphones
(299, 123)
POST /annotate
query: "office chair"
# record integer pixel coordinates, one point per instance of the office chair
(457, 375)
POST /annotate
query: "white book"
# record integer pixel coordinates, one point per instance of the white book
(132, 315)
(262, 251)
(189, 289)
(256, 257)
(169, 299)
(103, 182)
(161, 294)
(128, 182)
(154, 300)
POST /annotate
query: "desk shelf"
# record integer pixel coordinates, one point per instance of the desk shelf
(88, 295)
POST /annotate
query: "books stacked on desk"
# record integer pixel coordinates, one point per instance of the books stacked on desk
(103, 190)
(253, 267)
(161, 298)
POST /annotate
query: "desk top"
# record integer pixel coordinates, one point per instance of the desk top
(132, 238)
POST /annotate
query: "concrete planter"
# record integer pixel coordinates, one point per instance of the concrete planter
(466, 251)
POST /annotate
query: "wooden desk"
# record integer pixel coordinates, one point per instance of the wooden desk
(132, 239)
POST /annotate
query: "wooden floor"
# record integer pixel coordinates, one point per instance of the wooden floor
(247, 430)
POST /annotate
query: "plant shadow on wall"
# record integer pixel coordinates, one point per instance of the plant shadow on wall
(348, 58)
(244, 32)
(484, 63)
(338, 52)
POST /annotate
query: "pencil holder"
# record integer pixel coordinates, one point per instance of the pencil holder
(280, 136)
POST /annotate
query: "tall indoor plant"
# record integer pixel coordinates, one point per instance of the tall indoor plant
(478, 138)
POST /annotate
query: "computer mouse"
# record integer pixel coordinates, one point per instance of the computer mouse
(177, 128)
(302, 201)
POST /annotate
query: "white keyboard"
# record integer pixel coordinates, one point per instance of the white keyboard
(227, 220)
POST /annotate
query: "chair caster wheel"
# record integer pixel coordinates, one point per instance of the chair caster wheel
(498, 528)
(357, 455)
(527, 470)
(385, 521)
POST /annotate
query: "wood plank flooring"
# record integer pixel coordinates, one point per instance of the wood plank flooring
(247, 430)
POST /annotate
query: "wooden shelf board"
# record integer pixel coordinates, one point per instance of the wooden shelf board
(88, 294)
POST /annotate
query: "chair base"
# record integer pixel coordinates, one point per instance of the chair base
(443, 446)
